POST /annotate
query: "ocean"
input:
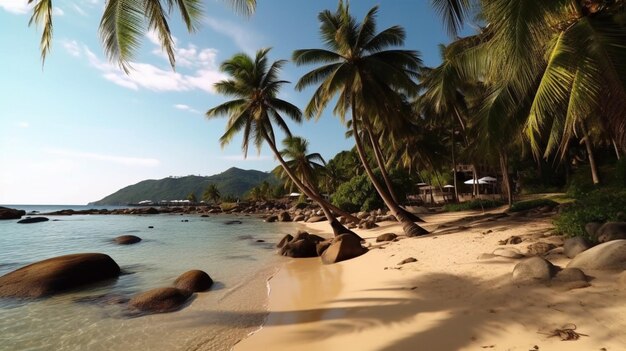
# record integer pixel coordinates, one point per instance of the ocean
(82, 320)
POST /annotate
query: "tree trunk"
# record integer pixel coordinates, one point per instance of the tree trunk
(592, 160)
(475, 189)
(506, 181)
(410, 228)
(616, 149)
(348, 216)
(337, 227)
(456, 191)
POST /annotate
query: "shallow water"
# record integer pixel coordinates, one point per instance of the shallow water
(214, 320)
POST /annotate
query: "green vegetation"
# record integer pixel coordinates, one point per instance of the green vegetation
(530, 204)
(477, 204)
(595, 206)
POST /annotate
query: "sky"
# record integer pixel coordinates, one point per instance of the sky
(78, 128)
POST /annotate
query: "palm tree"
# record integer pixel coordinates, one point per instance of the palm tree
(211, 193)
(192, 198)
(364, 77)
(254, 85)
(124, 24)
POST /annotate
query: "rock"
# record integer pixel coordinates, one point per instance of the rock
(160, 300)
(271, 219)
(32, 220)
(508, 253)
(315, 219)
(194, 281)
(260, 240)
(386, 237)
(535, 269)
(287, 238)
(127, 239)
(151, 210)
(591, 228)
(58, 274)
(322, 246)
(316, 238)
(407, 260)
(622, 280)
(570, 278)
(362, 215)
(233, 222)
(150, 227)
(301, 234)
(539, 248)
(607, 256)
(284, 216)
(611, 231)
(369, 224)
(300, 249)
(574, 246)
(513, 240)
(11, 213)
(343, 247)
(298, 218)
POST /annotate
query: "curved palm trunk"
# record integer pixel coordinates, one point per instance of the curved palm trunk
(383, 170)
(504, 168)
(456, 191)
(348, 216)
(592, 160)
(410, 228)
(337, 227)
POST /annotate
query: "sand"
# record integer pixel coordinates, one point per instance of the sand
(448, 300)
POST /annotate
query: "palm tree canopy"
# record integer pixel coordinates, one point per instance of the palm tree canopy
(254, 85)
(125, 22)
(307, 167)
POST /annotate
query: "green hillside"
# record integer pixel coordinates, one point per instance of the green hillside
(233, 181)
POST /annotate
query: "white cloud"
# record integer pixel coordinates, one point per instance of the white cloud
(72, 47)
(246, 40)
(249, 158)
(16, 6)
(124, 160)
(186, 108)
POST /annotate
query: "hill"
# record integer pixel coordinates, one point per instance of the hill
(234, 181)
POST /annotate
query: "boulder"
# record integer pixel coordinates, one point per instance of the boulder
(301, 234)
(622, 280)
(160, 300)
(300, 248)
(611, 231)
(369, 224)
(271, 219)
(607, 256)
(343, 247)
(151, 210)
(127, 239)
(513, 240)
(298, 218)
(535, 269)
(591, 228)
(284, 216)
(407, 260)
(386, 237)
(316, 238)
(322, 246)
(287, 238)
(508, 253)
(194, 281)
(574, 246)
(362, 215)
(315, 219)
(32, 220)
(11, 213)
(570, 278)
(539, 248)
(58, 274)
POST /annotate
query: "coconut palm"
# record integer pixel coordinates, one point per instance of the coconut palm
(211, 193)
(307, 167)
(124, 23)
(254, 85)
(365, 77)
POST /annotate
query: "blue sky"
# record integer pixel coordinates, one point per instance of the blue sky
(80, 129)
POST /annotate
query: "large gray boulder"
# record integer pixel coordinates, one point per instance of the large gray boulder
(386, 237)
(58, 274)
(343, 247)
(301, 248)
(127, 239)
(286, 239)
(591, 228)
(271, 219)
(194, 281)
(611, 231)
(607, 256)
(533, 270)
(10, 213)
(284, 216)
(160, 300)
(508, 253)
(574, 246)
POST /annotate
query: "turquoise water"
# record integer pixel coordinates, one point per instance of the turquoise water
(215, 320)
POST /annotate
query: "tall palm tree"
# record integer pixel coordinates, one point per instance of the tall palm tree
(211, 193)
(125, 22)
(365, 76)
(254, 85)
(307, 167)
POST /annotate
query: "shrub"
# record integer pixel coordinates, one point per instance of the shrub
(476, 204)
(358, 194)
(530, 204)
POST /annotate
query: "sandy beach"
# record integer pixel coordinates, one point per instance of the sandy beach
(452, 298)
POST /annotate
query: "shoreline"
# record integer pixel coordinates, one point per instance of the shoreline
(448, 300)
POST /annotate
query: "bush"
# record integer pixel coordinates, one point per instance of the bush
(477, 204)
(530, 204)
(358, 194)
(597, 206)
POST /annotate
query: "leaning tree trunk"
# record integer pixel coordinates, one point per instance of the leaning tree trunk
(456, 191)
(410, 228)
(337, 227)
(592, 160)
(504, 168)
(348, 216)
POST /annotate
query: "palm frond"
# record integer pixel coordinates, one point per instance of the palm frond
(42, 15)
(121, 29)
(157, 21)
(454, 13)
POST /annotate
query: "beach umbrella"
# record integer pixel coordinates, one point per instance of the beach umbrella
(488, 179)
(449, 186)
(471, 181)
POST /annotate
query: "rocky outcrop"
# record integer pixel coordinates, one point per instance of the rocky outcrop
(286, 239)
(611, 231)
(32, 220)
(300, 248)
(532, 270)
(607, 256)
(160, 300)
(10, 213)
(284, 216)
(386, 237)
(58, 274)
(574, 246)
(194, 281)
(127, 239)
(343, 247)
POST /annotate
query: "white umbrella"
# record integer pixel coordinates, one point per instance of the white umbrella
(488, 179)
(471, 181)
(448, 186)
